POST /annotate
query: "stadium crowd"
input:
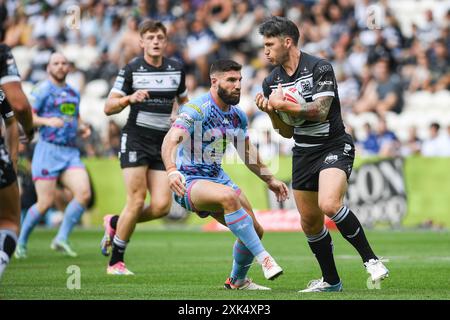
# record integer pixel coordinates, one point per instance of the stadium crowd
(393, 74)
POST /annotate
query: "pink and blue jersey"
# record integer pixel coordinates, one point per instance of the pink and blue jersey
(49, 100)
(210, 130)
(55, 151)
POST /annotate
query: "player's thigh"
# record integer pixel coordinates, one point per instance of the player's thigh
(10, 206)
(77, 181)
(135, 179)
(45, 191)
(332, 188)
(158, 186)
(208, 196)
(311, 217)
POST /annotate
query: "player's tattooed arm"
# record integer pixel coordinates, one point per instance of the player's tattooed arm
(317, 110)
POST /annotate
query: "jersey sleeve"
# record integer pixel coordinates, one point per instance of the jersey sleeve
(266, 89)
(188, 116)
(124, 82)
(182, 90)
(324, 83)
(8, 67)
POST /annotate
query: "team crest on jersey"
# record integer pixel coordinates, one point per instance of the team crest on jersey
(169, 67)
(132, 156)
(141, 69)
(306, 85)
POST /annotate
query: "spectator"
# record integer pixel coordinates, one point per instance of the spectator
(40, 56)
(440, 66)
(413, 145)
(46, 24)
(387, 141)
(370, 146)
(19, 31)
(201, 44)
(384, 95)
(436, 145)
(128, 46)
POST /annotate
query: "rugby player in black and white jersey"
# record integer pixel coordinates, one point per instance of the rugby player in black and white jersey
(323, 153)
(13, 103)
(149, 85)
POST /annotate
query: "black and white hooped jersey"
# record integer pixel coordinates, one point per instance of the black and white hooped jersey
(313, 78)
(152, 116)
(8, 73)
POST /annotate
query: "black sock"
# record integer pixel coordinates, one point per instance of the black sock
(351, 229)
(8, 240)
(322, 247)
(113, 222)
(118, 250)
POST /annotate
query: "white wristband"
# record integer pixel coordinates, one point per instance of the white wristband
(179, 173)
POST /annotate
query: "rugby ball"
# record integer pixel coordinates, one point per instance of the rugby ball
(291, 94)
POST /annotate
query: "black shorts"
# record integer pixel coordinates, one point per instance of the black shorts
(7, 173)
(307, 162)
(136, 151)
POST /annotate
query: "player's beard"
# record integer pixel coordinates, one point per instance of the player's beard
(57, 77)
(228, 98)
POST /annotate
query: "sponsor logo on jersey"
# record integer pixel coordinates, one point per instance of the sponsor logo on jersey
(67, 108)
(169, 67)
(325, 68)
(331, 158)
(325, 83)
(141, 68)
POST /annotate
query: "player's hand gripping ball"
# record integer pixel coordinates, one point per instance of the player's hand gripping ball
(291, 94)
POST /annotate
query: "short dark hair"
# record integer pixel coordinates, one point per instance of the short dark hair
(152, 26)
(435, 125)
(224, 65)
(279, 27)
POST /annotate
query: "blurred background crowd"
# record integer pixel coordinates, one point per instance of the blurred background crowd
(391, 59)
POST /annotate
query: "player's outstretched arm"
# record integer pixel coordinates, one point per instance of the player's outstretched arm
(252, 160)
(19, 103)
(283, 129)
(117, 102)
(316, 110)
(168, 153)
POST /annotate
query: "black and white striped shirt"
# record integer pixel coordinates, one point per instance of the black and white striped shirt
(313, 78)
(164, 83)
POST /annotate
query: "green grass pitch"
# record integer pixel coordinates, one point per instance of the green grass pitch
(193, 265)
